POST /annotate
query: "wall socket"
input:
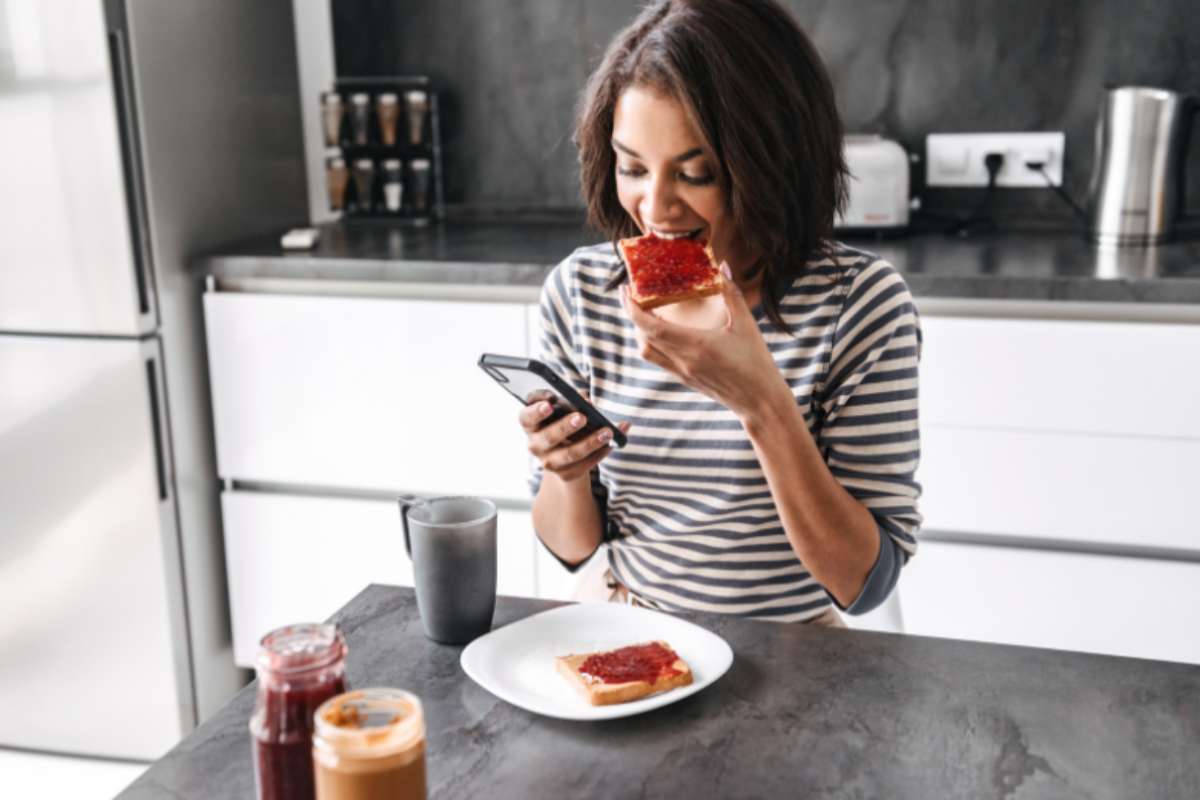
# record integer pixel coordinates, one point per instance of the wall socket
(956, 159)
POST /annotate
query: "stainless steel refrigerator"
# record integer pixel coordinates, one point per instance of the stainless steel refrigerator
(134, 135)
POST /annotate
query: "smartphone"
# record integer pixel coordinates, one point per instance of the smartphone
(531, 381)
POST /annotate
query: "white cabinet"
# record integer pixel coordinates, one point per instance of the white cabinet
(515, 540)
(1065, 600)
(365, 393)
(1063, 486)
(295, 558)
(1126, 378)
(556, 582)
(1058, 432)
(346, 396)
(1063, 430)
(533, 327)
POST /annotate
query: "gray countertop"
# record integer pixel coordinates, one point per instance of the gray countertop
(803, 712)
(1007, 266)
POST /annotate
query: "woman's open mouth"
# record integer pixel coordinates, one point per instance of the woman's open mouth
(692, 234)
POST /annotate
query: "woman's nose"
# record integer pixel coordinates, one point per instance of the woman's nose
(660, 201)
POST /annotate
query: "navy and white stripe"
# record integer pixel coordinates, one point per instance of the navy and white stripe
(693, 522)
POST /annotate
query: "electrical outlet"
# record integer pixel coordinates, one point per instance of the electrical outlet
(956, 159)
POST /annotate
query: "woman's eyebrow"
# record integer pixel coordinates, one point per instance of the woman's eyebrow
(688, 156)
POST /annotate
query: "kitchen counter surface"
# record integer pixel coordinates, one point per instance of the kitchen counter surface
(803, 712)
(1058, 267)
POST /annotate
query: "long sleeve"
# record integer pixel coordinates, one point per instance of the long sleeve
(869, 432)
(556, 348)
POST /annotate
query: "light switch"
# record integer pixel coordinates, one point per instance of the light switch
(952, 162)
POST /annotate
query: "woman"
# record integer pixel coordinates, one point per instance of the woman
(772, 428)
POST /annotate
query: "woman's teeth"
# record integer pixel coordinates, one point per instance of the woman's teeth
(679, 235)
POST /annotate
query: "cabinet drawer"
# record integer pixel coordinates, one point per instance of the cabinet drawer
(1097, 377)
(365, 393)
(1081, 488)
(292, 558)
(1072, 601)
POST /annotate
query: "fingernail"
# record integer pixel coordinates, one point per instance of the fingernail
(726, 271)
(544, 409)
(577, 421)
(604, 436)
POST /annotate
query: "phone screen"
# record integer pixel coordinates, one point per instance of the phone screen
(530, 388)
(532, 382)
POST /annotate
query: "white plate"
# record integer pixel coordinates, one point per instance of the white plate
(516, 662)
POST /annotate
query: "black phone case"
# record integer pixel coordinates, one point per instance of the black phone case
(531, 381)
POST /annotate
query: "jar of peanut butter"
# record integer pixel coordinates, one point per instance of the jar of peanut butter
(370, 743)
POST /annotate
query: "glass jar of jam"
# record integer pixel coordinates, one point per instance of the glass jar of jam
(299, 667)
(370, 744)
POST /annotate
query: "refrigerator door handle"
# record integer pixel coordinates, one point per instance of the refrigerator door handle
(135, 200)
(160, 461)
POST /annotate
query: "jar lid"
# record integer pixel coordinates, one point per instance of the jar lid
(388, 97)
(360, 97)
(391, 163)
(299, 648)
(369, 723)
(419, 163)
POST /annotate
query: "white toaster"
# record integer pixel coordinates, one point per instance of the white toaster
(878, 184)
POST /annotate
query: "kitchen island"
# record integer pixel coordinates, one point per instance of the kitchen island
(803, 712)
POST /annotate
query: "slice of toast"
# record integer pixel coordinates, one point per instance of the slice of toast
(663, 271)
(601, 693)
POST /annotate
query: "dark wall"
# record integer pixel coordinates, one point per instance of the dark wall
(511, 71)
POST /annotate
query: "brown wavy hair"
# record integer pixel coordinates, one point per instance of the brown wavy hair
(756, 90)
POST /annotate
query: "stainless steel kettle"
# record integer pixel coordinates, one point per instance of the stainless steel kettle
(1138, 180)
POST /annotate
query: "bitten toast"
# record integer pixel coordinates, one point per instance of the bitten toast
(663, 271)
(659, 666)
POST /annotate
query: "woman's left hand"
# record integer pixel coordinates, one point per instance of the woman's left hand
(731, 363)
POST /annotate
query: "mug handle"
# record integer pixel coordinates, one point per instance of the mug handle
(407, 501)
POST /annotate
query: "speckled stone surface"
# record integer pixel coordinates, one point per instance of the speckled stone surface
(803, 712)
(1031, 266)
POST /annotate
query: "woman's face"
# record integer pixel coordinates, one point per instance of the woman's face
(666, 180)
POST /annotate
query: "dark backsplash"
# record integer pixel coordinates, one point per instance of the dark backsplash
(511, 70)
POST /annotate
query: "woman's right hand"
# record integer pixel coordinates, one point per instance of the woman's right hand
(550, 446)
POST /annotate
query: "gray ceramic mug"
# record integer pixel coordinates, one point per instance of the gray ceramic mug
(452, 544)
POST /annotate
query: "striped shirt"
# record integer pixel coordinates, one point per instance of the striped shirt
(689, 517)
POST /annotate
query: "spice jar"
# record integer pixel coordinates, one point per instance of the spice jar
(416, 106)
(299, 667)
(364, 183)
(393, 185)
(331, 117)
(370, 744)
(387, 111)
(418, 169)
(360, 117)
(337, 178)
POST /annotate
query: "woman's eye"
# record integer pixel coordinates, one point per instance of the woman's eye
(691, 180)
(697, 180)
